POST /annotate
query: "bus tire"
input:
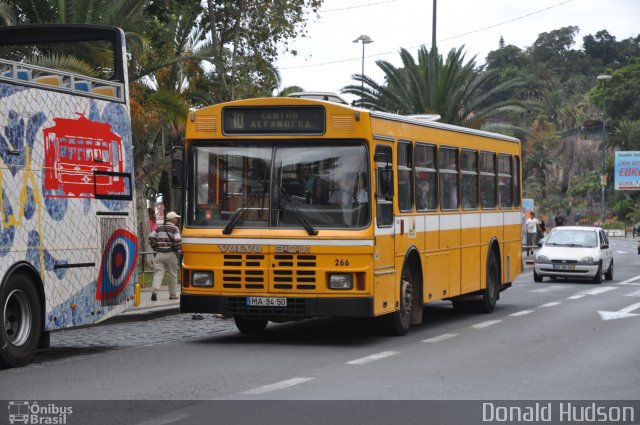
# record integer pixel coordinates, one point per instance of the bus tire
(490, 293)
(398, 322)
(21, 321)
(250, 326)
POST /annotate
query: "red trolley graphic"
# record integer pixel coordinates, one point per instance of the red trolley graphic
(84, 159)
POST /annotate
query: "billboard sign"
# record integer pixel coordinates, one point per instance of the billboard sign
(627, 170)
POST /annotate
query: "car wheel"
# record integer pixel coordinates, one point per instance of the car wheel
(536, 276)
(609, 274)
(598, 277)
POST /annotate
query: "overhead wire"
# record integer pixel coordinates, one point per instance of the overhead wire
(413, 47)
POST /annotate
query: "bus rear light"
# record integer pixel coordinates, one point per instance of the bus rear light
(360, 281)
(202, 279)
(340, 281)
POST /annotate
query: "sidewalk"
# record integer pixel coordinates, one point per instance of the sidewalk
(148, 309)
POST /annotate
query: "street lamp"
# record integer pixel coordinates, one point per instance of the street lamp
(604, 79)
(365, 40)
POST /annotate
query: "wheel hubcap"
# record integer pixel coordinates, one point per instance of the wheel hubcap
(16, 315)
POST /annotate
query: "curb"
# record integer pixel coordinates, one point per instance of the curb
(143, 315)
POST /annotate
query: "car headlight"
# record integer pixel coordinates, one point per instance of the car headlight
(340, 281)
(202, 278)
(541, 259)
(587, 260)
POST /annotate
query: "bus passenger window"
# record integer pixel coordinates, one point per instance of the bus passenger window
(488, 180)
(469, 171)
(448, 162)
(504, 181)
(405, 177)
(426, 185)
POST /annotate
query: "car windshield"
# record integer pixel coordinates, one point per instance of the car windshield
(573, 238)
(278, 184)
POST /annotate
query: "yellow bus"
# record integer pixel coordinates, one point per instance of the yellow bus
(298, 208)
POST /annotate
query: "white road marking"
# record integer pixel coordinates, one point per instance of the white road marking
(598, 291)
(373, 357)
(552, 304)
(633, 294)
(577, 297)
(521, 313)
(622, 252)
(548, 289)
(620, 314)
(630, 281)
(277, 386)
(485, 324)
(166, 419)
(439, 338)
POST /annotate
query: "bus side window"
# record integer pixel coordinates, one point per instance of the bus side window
(384, 186)
(405, 176)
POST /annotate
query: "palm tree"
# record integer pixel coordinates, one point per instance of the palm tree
(459, 92)
(625, 135)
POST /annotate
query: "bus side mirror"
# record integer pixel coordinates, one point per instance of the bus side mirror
(176, 167)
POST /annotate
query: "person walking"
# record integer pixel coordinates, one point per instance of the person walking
(531, 225)
(167, 243)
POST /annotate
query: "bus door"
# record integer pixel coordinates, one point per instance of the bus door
(385, 274)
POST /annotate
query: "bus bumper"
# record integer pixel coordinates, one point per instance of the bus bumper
(297, 308)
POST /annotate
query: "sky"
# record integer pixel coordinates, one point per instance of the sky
(328, 58)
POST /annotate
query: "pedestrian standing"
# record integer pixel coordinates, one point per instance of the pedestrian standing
(531, 225)
(167, 243)
(558, 219)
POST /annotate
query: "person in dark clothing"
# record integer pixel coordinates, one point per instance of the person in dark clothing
(558, 219)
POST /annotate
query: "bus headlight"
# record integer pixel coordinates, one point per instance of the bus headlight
(202, 278)
(340, 281)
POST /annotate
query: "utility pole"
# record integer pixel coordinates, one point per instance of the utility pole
(433, 30)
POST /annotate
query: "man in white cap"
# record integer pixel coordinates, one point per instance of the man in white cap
(166, 242)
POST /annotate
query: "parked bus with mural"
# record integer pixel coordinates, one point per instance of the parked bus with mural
(68, 247)
(298, 208)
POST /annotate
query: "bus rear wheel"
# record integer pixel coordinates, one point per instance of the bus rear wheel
(21, 323)
(250, 326)
(398, 322)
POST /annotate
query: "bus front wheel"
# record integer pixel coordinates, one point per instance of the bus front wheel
(250, 326)
(398, 322)
(21, 323)
(490, 293)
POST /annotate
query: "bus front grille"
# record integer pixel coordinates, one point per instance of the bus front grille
(294, 272)
(244, 271)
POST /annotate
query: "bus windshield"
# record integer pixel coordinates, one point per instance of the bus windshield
(278, 184)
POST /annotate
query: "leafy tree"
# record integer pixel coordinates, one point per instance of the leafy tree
(459, 92)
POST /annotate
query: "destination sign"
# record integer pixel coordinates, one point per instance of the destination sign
(273, 120)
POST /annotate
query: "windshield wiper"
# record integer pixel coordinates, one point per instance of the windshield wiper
(299, 214)
(242, 212)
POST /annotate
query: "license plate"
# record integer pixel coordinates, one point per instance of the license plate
(267, 301)
(564, 267)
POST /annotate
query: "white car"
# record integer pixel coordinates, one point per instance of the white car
(574, 252)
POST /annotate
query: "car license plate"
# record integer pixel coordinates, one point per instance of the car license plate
(564, 267)
(267, 301)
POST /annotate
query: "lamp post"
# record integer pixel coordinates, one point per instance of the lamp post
(604, 79)
(365, 40)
